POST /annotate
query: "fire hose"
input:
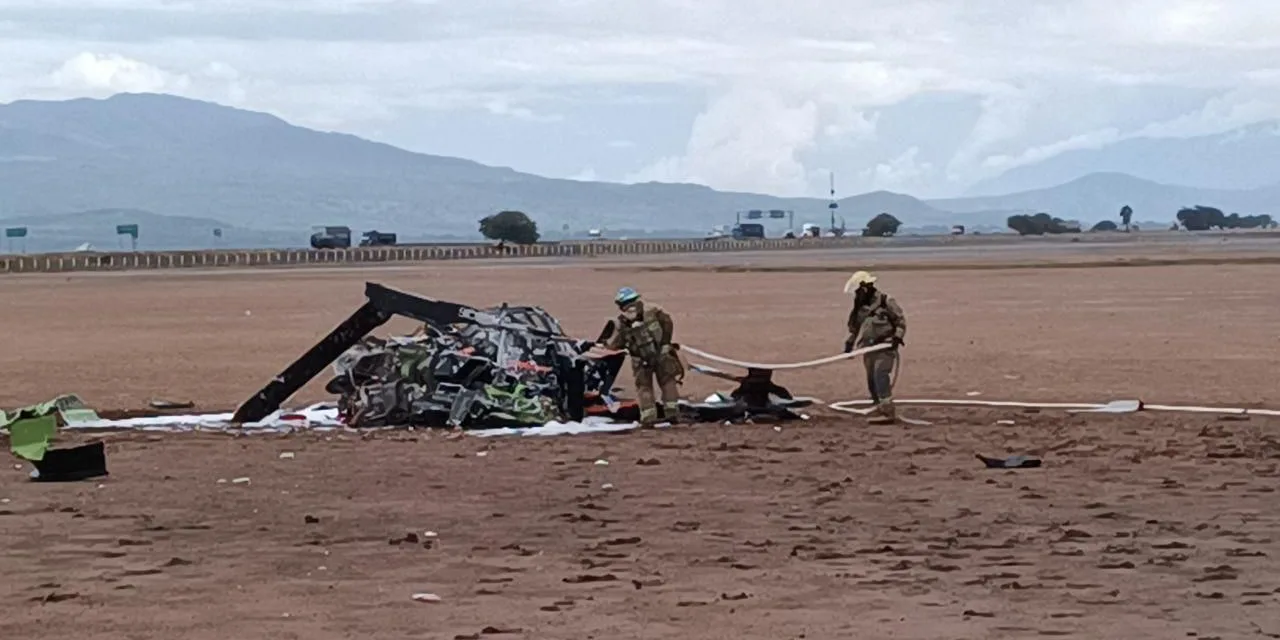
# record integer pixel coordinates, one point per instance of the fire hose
(791, 365)
(855, 353)
(850, 406)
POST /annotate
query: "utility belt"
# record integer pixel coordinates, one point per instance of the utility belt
(650, 355)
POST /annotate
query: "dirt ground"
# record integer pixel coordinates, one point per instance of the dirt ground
(1141, 526)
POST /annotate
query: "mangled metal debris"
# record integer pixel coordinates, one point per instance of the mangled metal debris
(505, 366)
(515, 369)
(466, 367)
(757, 397)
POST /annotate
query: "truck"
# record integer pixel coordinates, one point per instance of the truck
(748, 231)
(331, 237)
(378, 239)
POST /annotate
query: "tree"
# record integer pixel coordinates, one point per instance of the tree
(1126, 215)
(1024, 225)
(1040, 224)
(510, 226)
(882, 226)
(1237, 221)
(1105, 225)
(1201, 218)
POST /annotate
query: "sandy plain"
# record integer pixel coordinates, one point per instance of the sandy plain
(1142, 526)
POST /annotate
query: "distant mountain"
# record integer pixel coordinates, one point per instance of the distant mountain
(183, 157)
(1100, 196)
(1245, 158)
(71, 170)
(858, 209)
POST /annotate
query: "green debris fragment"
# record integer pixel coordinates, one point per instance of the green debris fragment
(29, 437)
(74, 411)
(31, 428)
(518, 405)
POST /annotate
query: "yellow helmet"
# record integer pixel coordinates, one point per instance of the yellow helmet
(858, 279)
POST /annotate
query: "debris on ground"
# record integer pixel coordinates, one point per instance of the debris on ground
(32, 429)
(471, 376)
(756, 397)
(505, 366)
(170, 405)
(69, 408)
(1012, 462)
(508, 366)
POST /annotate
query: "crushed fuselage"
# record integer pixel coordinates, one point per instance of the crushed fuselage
(467, 367)
(516, 369)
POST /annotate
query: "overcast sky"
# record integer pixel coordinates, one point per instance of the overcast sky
(923, 96)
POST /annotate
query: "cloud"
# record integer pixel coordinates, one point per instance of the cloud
(1006, 112)
(752, 136)
(112, 73)
(1230, 110)
(903, 173)
(748, 140)
(790, 86)
(501, 106)
(1087, 140)
(586, 175)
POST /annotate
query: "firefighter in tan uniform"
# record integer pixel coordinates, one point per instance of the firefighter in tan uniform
(645, 332)
(875, 319)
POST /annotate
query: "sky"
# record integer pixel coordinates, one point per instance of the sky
(919, 96)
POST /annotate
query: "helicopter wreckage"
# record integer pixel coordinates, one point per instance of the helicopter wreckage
(471, 368)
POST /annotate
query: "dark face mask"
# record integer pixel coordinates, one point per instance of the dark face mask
(632, 311)
(864, 294)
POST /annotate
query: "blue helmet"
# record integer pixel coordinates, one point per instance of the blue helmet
(626, 296)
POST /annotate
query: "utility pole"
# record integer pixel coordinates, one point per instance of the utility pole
(833, 206)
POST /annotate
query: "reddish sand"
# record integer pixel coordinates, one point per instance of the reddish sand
(1141, 526)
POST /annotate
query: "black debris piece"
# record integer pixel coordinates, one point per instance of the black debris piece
(1012, 462)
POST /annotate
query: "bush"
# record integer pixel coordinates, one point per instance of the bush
(1202, 218)
(1105, 225)
(1040, 224)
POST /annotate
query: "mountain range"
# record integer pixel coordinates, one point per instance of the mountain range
(1241, 159)
(179, 167)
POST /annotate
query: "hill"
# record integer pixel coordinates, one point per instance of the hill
(1100, 196)
(181, 157)
(1243, 159)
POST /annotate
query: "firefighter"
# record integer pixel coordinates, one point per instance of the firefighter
(875, 319)
(645, 332)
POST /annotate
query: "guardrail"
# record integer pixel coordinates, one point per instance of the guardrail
(153, 260)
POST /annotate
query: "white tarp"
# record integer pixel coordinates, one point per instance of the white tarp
(324, 417)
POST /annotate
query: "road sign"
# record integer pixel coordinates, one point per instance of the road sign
(777, 213)
(16, 235)
(130, 230)
(755, 214)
